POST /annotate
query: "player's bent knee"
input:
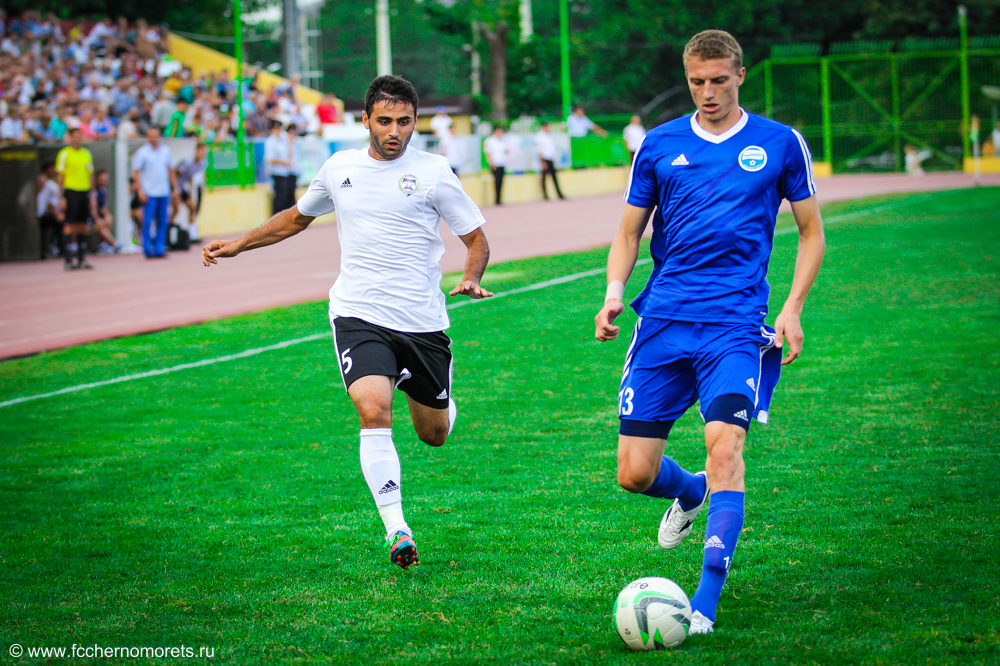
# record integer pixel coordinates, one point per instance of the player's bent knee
(734, 409)
(374, 415)
(633, 480)
(435, 437)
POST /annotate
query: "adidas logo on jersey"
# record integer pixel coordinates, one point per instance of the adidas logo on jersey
(742, 414)
(443, 395)
(714, 542)
(680, 161)
(388, 488)
(751, 384)
(346, 183)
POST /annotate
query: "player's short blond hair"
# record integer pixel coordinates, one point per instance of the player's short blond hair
(714, 45)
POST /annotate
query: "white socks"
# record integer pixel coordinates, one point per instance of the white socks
(380, 465)
(452, 414)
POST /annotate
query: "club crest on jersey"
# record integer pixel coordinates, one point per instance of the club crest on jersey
(409, 184)
(753, 158)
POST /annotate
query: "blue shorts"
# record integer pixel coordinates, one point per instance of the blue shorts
(670, 365)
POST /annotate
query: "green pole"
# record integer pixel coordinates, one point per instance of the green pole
(240, 131)
(896, 120)
(963, 28)
(768, 90)
(564, 55)
(827, 116)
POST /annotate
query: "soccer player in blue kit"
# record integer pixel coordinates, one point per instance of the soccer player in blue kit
(715, 180)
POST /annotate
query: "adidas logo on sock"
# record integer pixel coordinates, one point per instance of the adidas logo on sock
(714, 542)
(742, 414)
(752, 384)
(346, 183)
(443, 395)
(680, 161)
(388, 488)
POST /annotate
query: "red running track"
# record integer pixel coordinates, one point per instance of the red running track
(43, 307)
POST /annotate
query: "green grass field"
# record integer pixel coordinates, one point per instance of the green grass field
(223, 506)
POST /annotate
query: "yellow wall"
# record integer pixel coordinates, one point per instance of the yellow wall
(986, 165)
(822, 170)
(200, 58)
(230, 210)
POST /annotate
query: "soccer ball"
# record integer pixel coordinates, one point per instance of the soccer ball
(652, 614)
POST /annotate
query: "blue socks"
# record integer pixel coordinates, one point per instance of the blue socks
(674, 481)
(725, 520)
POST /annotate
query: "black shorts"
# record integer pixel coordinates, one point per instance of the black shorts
(422, 362)
(77, 207)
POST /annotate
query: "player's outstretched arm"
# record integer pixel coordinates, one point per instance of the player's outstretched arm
(621, 261)
(278, 228)
(475, 265)
(812, 246)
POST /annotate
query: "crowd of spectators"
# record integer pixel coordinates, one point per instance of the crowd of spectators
(114, 79)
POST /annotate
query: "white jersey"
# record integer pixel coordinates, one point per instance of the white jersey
(388, 214)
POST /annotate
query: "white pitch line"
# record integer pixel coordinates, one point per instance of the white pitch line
(309, 338)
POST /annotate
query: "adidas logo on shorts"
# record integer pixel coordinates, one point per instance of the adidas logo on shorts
(443, 395)
(714, 542)
(742, 414)
(388, 488)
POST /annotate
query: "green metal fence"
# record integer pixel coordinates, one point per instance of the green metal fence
(224, 167)
(861, 105)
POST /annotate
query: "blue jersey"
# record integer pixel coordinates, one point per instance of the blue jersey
(716, 201)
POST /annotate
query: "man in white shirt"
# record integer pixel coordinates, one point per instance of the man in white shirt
(12, 127)
(496, 156)
(545, 146)
(278, 158)
(440, 123)
(48, 208)
(579, 124)
(633, 134)
(386, 307)
(153, 170)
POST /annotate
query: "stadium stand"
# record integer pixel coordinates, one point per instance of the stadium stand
(115, 77)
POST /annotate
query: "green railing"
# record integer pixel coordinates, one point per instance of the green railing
(865, 104)
(594, 151)
(223, 168)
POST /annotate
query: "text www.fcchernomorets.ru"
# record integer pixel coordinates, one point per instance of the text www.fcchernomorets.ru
(77, 651)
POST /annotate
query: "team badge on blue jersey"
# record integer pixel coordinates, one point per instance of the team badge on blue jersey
(409, 184)
(753, 158)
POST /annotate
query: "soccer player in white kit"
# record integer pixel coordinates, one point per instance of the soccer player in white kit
(386, 308)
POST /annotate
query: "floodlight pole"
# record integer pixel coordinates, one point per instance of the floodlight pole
(564, 55)
(240, 130)
(963, 28)
(383, 46)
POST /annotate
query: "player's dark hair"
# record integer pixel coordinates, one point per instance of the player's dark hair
(714, 45)
(394, 89)
(99, 172)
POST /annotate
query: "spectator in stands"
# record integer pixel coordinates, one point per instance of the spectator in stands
(327, 111)
(578, 124)
(104, 221)
(58, 125)
(12, 127)
(50, 213)
(128, 129)
(633, 134)
(153, 170)
(163, 110)
(545, 146)
(176, 126)
(101, 125)
(75, 169)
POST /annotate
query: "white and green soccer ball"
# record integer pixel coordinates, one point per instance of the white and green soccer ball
(652, 614)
